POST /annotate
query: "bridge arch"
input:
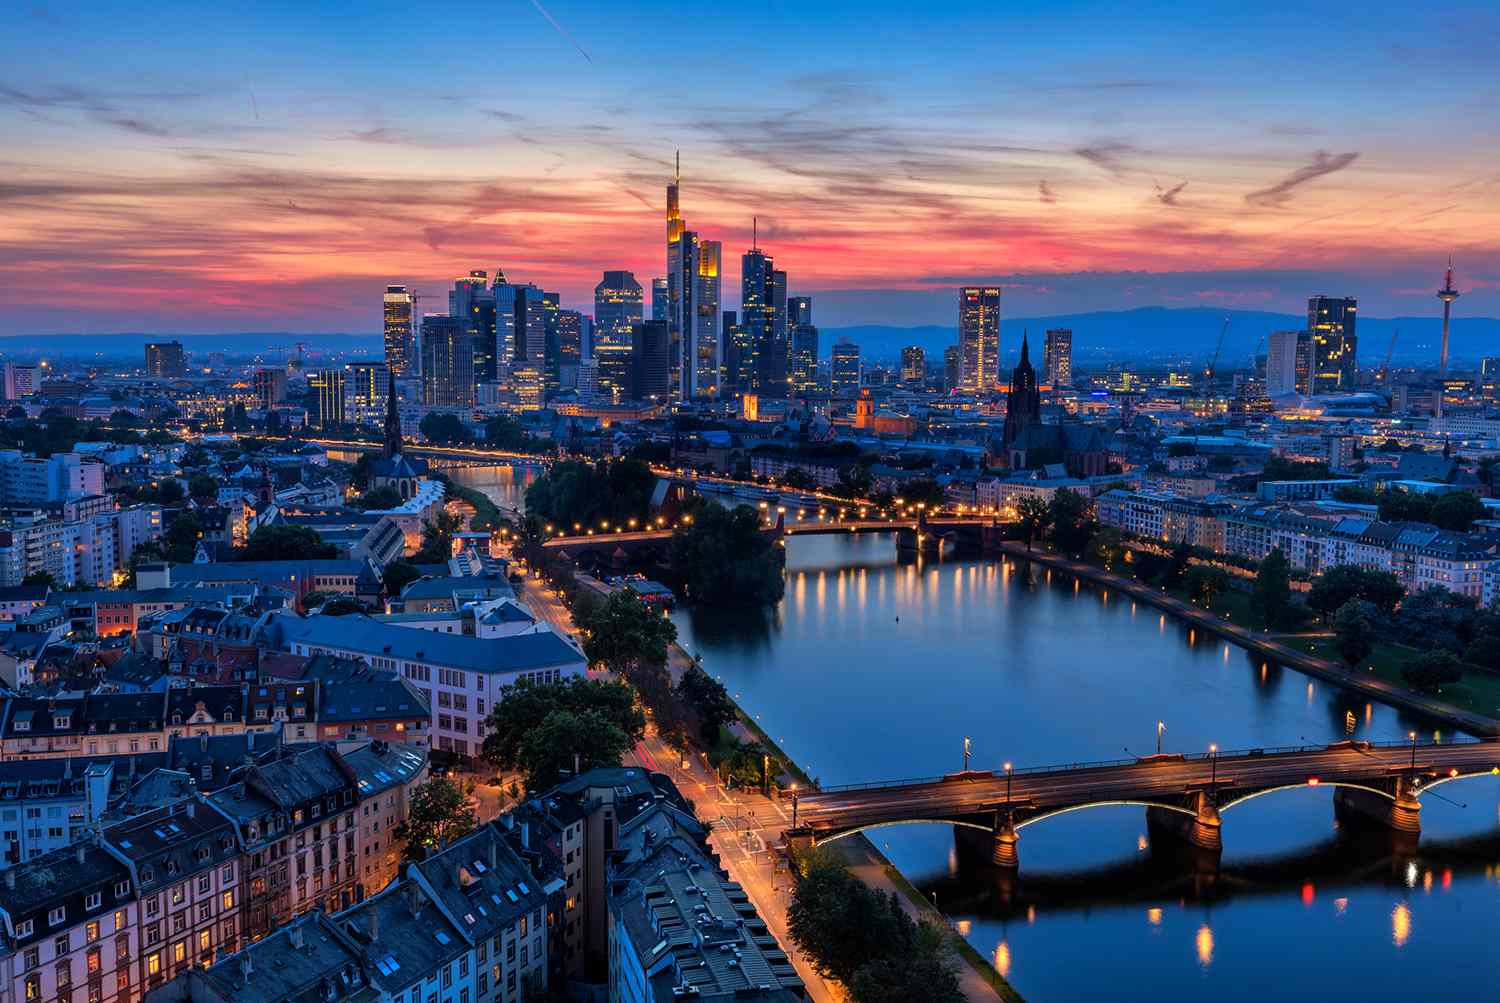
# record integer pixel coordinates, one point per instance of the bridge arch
(1104, 804)
(1304, 786)
(958, 823)
(1491, 772)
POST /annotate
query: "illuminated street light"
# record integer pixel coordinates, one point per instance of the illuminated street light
(1160, 727)
(1007, 784)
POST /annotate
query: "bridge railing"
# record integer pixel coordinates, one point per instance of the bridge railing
(1021, 771)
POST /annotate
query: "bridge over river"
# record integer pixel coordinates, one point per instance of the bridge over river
(1185, 796)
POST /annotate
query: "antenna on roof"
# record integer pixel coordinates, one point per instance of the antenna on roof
(754, 233)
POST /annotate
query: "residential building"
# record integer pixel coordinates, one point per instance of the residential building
(48, 804)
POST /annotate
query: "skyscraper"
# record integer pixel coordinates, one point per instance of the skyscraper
(658, 299)
(979, 337)
(953, 368)
(270, 387)
(328, 388)
(1330, 321)
(706, 352)
(1281, 362)
(365, 387)
(521, 323)
(767, 362)
(614, 371)
(618, 307)
(798, 310)
(165, 359)
(400, 329)
(570, 324)
(804, 372)
(913, 366)
(651, 361)
(447, 362)
(1057, 358)
(845, 372)
(472, 301)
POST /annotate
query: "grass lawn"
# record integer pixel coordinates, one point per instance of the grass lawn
(1478, 691)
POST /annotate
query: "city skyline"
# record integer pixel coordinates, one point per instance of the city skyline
(165, 178)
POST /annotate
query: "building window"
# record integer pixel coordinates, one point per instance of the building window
(55, 917)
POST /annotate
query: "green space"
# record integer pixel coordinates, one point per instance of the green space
(1478, 691)
(487, 515)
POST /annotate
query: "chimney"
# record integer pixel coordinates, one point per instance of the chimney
(525, 835)
(374, 923)
(10, 878)
(245, 966)
(494, 854)
(413, 898)
(577, 764)
(203, 741)
(79, 852)
(294, 934)
(192, 809)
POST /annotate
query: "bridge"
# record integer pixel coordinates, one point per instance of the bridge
(1185, 796)
(931, 536)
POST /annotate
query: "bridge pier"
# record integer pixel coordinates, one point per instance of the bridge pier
(1401, 816)
(1199, 834)
(1003, 852)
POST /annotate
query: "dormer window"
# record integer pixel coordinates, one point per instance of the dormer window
(176, 718)
(122, 889)
(93, 900)
(58, 916)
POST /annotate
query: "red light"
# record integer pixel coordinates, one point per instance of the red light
(1309, 893)
(1312, 781)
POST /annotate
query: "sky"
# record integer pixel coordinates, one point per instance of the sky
(172, 167)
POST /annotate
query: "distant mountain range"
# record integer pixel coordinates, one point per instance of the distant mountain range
(1157, 333)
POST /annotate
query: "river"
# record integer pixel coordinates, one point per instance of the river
(869, 669)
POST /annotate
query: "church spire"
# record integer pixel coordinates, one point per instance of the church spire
(392, 422)
(1025, 350)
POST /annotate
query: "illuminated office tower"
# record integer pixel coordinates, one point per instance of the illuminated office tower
(20, 381)
(658, 299)
(270, 388)
(739, 354)
(614, 371)
(570, 341)
(365, 387)
(651, 362)
(804, 368)
(845, 374)
(1057, 358)
(328, 387)
(913, 366)
(705, 348)
(798, 310)
(953, 368)
(1330, 321)
(767, 365)
(521, 325)
(165, 359)
(400, 329)
(979, 338)
(1281, 362)
(447, 362)
(618, 307)
(1489, 377)
(472, 303)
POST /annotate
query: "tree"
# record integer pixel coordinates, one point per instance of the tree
(1071, 520)
(708, 701)
(203, 488)
(1354, 633)
(1272, 596)
(1484, 650)
(567, 742)
(439, 812)
(842, 924)
(398, 575)
(1177, 563)
(796, 477)
(180, 540)
(1457, 511)
(40, 578)
(286, 543)
(722, 558)
(524, 707)
(1205, 583)
(1343, 582)
(381, 498)
(506, 433)
(437, 538)
(1431, 670)
(924, 491)
(925, 974)
(1106, 547)
(359, 472)
(588, 494)
(1033, 515)
(444, 428)
(169, 491)
(622, 633)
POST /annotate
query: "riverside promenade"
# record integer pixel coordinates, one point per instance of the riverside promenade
(1312, 665)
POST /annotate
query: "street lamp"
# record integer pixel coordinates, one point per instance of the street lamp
(1007, 785)
(968, 747)
(1213, 773)
(794, 806)
(1413, 736)
(1160, 727)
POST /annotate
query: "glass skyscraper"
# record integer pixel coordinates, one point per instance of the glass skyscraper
(979, 338)
(618, 307)
(1330, 321)
(400, 329)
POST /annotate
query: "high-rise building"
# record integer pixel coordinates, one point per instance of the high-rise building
(270, 388)
(521, 325)
(20, 381)
(738, 354)
(778, 304)
(614, 371)
(798, 310)
(706, 349)
(618, 307)
(979, 337)
(692, 307)
(1330, 320)
(913, 366)
(659, 299)
(400, 329)
(447, 362)
(472, 301)
(570, 340)
(365, 387)
(1023, 404)
(1057, 358)
(1489, 377)
(165, 359)
(327, 387)
(651, 361)
(767, 362)
(953, 368)
(804, 373)
(845, 370)
(1281, 362)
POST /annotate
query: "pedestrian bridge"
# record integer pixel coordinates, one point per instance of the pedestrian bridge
(1185, 796)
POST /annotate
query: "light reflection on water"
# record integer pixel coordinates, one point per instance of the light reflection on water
(874, 670)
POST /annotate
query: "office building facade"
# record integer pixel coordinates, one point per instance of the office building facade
(1057, 358)
(844, 378)
(979, 338)
(651, 361)
(165, 359)
(913, 366)
(1335, 343)
(618, 307)
(400, 329)
(328, 388)
(447, 362)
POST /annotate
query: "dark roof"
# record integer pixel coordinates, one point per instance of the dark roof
(171, 843)
(482, 884)
(392, 698)
(520, 653)
(306, 961)
(407, 936)
(63, 878)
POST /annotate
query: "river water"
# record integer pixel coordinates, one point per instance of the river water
(870, 669)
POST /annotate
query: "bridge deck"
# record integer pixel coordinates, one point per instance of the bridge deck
(1152, 779)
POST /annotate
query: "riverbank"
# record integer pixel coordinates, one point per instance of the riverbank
(1364, 683)
(978, 978)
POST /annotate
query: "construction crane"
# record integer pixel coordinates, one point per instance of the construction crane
(1385, 370)
(1213, 365)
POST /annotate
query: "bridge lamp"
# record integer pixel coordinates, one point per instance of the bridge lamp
(1312, 781)
(1213, 770)
(1413, 736)
(1160, 727)
(1007, 784)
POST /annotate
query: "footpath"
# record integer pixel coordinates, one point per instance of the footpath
(1312, 665)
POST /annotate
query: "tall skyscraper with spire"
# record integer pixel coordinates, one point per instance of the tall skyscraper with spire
(1447, 294)
(693, 294)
